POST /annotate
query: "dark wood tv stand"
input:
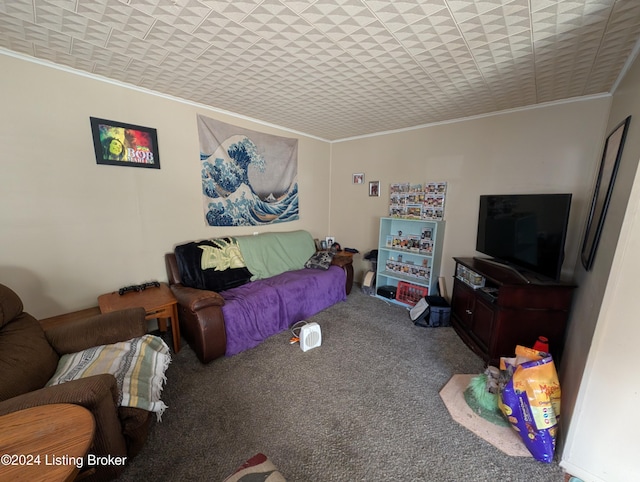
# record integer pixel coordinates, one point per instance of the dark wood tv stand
(510, 310)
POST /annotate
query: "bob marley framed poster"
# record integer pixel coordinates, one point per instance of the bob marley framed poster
(120, 144)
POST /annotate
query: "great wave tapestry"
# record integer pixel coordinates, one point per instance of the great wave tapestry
(248, 178)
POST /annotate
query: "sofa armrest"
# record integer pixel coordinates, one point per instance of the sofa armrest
(195, 299)
(103, 329)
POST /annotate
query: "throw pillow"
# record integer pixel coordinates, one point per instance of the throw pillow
(320, 260)
(258, 467)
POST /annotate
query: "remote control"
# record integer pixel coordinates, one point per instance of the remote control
(141, 287)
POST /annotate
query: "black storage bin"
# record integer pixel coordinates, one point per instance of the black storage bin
(438, 313)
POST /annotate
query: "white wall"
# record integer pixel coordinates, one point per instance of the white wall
(602, 444)
(601, 405)
(71, 229)
(546, 149)
(549, 149)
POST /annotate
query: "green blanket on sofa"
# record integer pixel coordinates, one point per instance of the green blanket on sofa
(269, 254)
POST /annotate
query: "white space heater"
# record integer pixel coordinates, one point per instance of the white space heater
(310, 336)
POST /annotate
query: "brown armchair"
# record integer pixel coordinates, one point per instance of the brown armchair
(29, 356)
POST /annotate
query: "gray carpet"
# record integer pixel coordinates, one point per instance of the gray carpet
(362, 407)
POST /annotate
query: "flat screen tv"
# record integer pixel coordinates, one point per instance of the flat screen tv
(525, 231)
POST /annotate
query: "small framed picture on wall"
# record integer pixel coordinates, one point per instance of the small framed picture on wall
(374, 188)
(118, 144)
(358, 178)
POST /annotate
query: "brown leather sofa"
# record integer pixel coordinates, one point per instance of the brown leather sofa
(29, 356)
(200, 311)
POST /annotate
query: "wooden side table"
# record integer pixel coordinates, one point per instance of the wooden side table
(158, 302)
(344, 259)
(45, 443)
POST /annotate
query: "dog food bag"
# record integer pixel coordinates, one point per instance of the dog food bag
(531, 400)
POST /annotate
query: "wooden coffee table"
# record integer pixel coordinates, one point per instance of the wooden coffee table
(158, 302)
(45, 443)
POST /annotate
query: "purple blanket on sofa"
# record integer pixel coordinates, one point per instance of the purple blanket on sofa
(261, 308)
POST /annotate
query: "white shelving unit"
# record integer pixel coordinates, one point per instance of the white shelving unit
(411, 251)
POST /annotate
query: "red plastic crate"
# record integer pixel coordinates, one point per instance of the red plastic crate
(409, 293)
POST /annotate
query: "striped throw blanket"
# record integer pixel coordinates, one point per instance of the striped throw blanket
(138, 366)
